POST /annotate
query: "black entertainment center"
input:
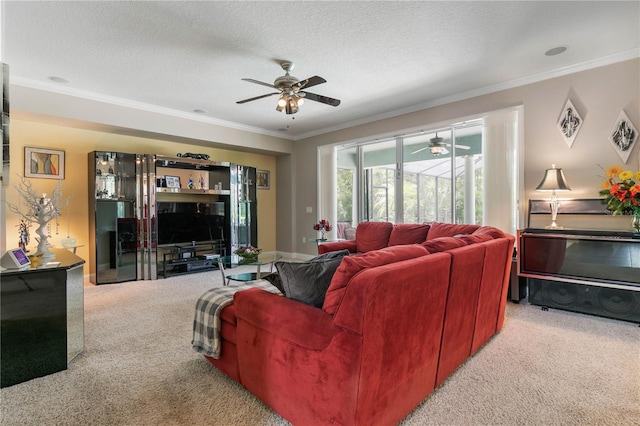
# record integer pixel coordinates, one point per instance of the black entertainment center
(180, 212)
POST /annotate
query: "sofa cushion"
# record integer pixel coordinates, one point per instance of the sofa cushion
(482, 234)
(439, 229)
(408, 233)
(489, 230)
(351, 265)
(307, 282)
(443, 243)
(372, 235)
(475, 238)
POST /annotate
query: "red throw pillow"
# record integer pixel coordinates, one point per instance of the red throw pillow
(408, 233)
(443, 243)
(490, 231)
(351, 265)
(372, 235)
(439, 229)
(475, 238)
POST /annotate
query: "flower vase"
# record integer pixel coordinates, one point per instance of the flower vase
(635, 221)
(322, 231)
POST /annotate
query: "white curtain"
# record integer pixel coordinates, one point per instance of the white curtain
(502, 182)
(327, 184)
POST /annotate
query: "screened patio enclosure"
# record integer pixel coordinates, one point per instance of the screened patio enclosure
(402, 181)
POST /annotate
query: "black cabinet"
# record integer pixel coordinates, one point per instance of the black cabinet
(42, 319)
(112, 217)
(594, 272)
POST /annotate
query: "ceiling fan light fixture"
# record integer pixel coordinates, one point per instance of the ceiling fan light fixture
(436, 145)
(291, 107)
(282, 101)
(436, 150)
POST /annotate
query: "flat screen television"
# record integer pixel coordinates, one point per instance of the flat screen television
(180, 223)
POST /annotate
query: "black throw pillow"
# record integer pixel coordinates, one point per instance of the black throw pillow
(307, 282)
(274, 279)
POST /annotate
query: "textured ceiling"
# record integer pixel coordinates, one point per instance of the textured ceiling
(379, 58)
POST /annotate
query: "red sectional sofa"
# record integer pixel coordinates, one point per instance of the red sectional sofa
(376, 235)
(396, 321)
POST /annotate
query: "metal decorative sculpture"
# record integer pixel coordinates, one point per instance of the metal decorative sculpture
(41, 210)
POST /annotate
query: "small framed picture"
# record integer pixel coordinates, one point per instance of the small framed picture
(569, 123)
(623, 136)
(262, 177)
(43, 163)
(173, 181)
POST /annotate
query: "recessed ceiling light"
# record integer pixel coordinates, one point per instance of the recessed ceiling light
(56, 79)
(199, 111)
(555, 51)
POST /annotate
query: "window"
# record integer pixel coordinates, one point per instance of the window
(436, 175)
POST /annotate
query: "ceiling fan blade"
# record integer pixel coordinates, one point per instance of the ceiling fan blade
(460, 146)
(323, 99)
(419, 150)
(257, 97)
(309, 82)
(250, 80)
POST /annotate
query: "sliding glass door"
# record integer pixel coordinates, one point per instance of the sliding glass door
(436, 175)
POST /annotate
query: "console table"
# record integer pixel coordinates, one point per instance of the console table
(42, 311)
(594, 272)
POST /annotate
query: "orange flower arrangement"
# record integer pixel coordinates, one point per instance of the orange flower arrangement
(621, 190)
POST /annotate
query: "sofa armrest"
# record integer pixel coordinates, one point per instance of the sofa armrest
(337, 246)
(295, 322)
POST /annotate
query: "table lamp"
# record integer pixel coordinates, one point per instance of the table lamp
(553, 181)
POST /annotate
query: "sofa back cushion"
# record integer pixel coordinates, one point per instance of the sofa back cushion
(372, 235)
(351, 265)
(408, 233)
(307, 282)
(443, 244)
(439, 229)
(493, 232)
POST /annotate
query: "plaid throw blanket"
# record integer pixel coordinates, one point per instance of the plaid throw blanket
(206, 323)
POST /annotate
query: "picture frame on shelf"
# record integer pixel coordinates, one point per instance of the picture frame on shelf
(623, 136)
(43, 163)
(262, 178)
(173, 182)
(569, 123)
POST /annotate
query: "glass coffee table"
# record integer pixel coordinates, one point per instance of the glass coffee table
(235, 260)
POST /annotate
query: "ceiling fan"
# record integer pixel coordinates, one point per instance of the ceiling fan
(438, 147)
(290, 90)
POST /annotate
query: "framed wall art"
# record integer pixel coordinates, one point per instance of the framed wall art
(262, 177)
(172, 181)
(43, 163)
(623, 136)
(569, 123)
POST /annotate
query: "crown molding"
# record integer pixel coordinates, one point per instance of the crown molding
(126, 103)
(559, 72)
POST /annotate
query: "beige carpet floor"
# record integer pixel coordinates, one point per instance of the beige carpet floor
(138, 368)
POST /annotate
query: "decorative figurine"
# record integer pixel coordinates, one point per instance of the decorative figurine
(24, 235)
